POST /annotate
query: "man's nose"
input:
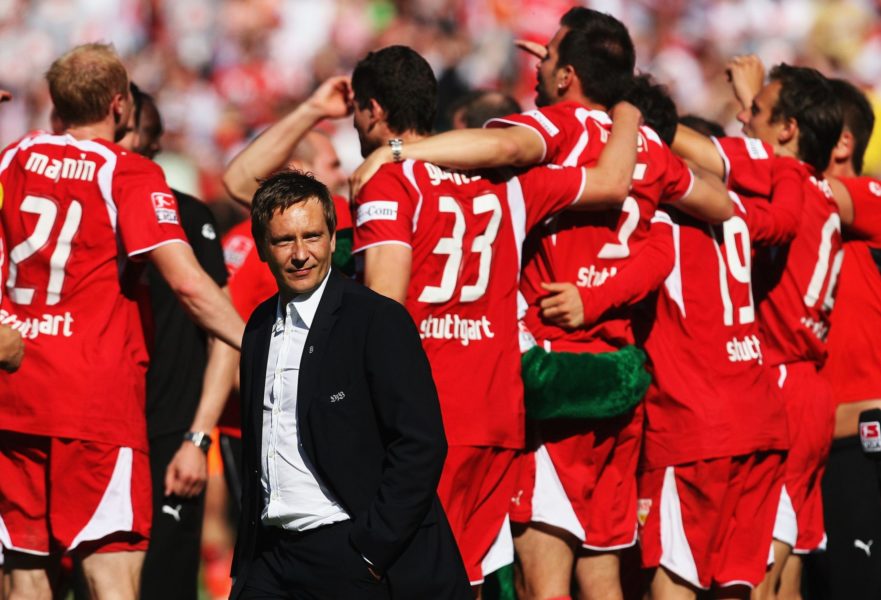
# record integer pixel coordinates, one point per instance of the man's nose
(300, 253)
(743, 116)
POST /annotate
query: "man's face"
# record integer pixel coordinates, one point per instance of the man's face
(365, 127)
(144, 137)
(298, 248)
(326, 164)
(756, 119)
(546, 85)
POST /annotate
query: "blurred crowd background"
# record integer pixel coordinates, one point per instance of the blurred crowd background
(222, 70)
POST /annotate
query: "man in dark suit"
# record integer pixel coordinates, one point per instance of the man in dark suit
(343, 442)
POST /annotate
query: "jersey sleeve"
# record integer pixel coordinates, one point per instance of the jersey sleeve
(550, 189)
(776, 221)
(640, 276)
(748, 165)
(147, 211)
(865, 193)
(678, 179)
(544, 122)
(384, 211)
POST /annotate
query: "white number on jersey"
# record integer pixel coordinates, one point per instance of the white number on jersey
(621, 250)
(830, 227)
(47, 212)
(736, 261)
(452, 247)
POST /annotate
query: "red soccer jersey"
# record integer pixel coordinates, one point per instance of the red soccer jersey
(794, 283)
(250, 280)
(705, 346)
(854, 364)
(73, 212)
(466, 233)
(588, 248)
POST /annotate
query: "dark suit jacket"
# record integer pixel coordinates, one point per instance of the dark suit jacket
(370, 422)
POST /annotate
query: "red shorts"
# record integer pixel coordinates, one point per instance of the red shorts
(810, 416)
(710, 522)
(63, 495)
(581, 477)
(475, 489)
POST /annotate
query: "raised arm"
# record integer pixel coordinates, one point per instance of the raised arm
(461, 149)
(199, 295)
(272, 149)
(608, 182)
(707, 200)
(699, 150)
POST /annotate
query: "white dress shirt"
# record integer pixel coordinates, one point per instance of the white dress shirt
(293, 497)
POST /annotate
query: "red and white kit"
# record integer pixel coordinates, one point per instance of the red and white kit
(795, 291)
(710, 479)
(581, 476)
(75, 213)
(466, 231)
(853, 368)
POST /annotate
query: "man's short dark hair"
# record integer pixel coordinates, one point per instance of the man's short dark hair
(808, 97)
(480, 106)
(701, 125)
(402, 83)
(283, 189)
(598, 47)
(657, 108)
(859, 118)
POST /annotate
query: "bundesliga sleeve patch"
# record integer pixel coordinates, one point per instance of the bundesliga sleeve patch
(377, 210)
(874, 187)
(545, 123)
(165, 207)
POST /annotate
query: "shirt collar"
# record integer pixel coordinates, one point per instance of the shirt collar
(305, 305)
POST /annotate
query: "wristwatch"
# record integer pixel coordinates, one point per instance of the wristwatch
(397, 145)
(201, 439)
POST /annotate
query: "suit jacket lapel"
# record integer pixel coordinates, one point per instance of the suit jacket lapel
(316, 344)
(258, 369)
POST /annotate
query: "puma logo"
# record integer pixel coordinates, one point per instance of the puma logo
(174, 511)
(516, 499)
(864, 546)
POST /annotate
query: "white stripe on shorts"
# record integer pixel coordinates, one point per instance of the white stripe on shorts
(114, 512)
(676, 555)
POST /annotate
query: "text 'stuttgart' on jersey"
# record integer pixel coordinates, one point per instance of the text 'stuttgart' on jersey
(465, 231)
(853, 367)
(75, 213)
(702, 335)
(794, 283)
(587, 248)
(706, 352)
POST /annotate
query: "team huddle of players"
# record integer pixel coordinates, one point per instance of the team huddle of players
(625, 316)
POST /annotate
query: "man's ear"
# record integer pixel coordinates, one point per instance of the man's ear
(377, 112)
(118, 106)
(788, 131)
(333, 243)
(564, 78)
(843, 150)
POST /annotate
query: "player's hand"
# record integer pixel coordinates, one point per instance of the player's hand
(11, 349)
(187, 472)
(747, 76)
(333, 98)
(533, 48)
(368, 169)
(562, 306)
(625, 110)
(5, 96)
